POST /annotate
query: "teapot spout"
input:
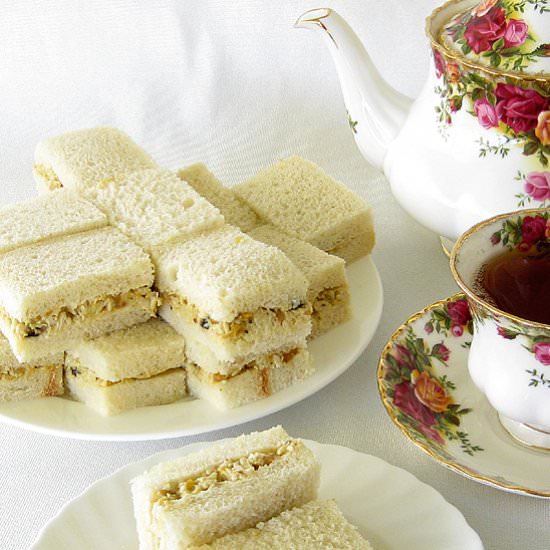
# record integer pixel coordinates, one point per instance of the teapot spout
(376, 111)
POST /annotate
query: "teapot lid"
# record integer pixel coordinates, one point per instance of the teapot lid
(508, 35)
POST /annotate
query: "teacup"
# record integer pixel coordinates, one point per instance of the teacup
(509, 359)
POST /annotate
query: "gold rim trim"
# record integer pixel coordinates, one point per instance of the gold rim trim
(318, 20)
(468, 291)
(477, 67)
(458, 468)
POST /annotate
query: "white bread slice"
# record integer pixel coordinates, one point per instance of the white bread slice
(69, 270)
(87, 158)
(41, 218)
(165, 522)
(296, 196)
(261, 378)
(140, 351)
(75, 286)
(225, 273)
(235, 211)
(328, 289)
(9, 363)
(31, 382)
(318, 525)
(154, 208)
(111, 398)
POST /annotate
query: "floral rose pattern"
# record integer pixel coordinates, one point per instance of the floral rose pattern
(517, 110)
(483, 31)
(422, 397)
(495, 31)
(454, 318)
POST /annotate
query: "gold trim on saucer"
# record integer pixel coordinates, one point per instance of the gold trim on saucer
(390, 409)
(542, 78)
(468, 291)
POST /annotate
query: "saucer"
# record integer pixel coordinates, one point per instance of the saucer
(425, 385)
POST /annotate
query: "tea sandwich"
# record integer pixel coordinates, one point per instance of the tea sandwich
(328, 290)
(317, 524)
(235, 211)
(222, 489)
(134, 367)
(47, 217)
(21, 381)
(257, 379)
(85, 159)
(298, 197)
(236, 296)
(155, 208)
(55, 292)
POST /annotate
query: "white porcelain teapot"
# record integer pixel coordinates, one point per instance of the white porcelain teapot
(476, 142)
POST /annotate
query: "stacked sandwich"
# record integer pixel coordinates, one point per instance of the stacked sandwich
(240, 277)
(254, 492)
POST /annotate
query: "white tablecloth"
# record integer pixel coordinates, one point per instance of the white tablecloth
(233, 85)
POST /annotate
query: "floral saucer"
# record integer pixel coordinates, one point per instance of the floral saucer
(425, 385)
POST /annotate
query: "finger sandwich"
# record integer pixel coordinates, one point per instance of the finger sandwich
(296, 196)
(222, 489)
(155, 208)
(328, 290)
(45, 217)
(259, 378)
(86, 158)
(236, 296)
(21, 381)
(317, 525)
(58, 291)
(235, 211)
(134, 367)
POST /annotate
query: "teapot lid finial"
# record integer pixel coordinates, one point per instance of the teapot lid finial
(511, 35)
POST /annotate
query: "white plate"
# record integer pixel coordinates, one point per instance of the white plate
(333, 353)
(391, 508)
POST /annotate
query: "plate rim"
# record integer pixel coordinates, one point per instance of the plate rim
(377, 290)
(457, 468)
(170, 454)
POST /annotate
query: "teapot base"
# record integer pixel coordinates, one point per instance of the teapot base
(534, 437)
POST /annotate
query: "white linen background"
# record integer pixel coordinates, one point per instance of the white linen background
(231, 84)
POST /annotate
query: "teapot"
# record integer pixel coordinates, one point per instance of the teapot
(476, 142)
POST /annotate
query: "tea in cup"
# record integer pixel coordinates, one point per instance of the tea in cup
(503, 266)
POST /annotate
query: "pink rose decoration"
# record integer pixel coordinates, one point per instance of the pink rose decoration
(441, 351)
(459, 312)
(519, 108)
(542, 131)
(457, 330)
(515, 33)
(403, 357)
(483, 31)
(542, 352)
(429, 328)
(533, 229)
(486, 113)
(439, 64)
(405, 398)
(537, 185)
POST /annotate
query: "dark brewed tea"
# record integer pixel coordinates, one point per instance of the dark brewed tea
(519, 284)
